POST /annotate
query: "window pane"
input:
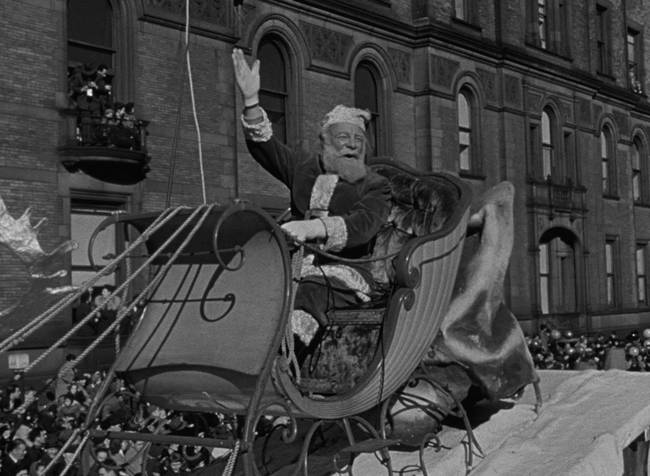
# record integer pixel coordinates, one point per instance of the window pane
(81, 229)
(272, 67)
(641, 286)
(636, 154)
(610, 290)
(78, 55)
(272, 102)
(273, 86)
(90, 21)
(365, 89)
(463, 158)
(464, 138)
(640, 259)
(546, 128)
(90, 33)
(542, 22)
(366, 96)
(543, 258)
(631, 47)
(464, 118)
(546, 162)
(604, 149)
(609, 263)
(543, 295)
(460, 9)
(636, 186)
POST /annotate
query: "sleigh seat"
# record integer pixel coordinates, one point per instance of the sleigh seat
(424, 207)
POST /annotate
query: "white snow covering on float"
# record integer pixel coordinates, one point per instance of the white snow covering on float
(587, 419)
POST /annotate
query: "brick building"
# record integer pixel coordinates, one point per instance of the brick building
(548, 94)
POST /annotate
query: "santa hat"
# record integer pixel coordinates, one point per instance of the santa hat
(350, 115)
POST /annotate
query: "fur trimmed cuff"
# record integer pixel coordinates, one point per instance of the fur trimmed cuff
(260, 131)
(337, 233)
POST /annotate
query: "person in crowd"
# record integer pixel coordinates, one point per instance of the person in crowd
(47, 410)
(36, 444)
(65, 376)
(52, 447)
(336, 200)
(14, 461)
(110, 305)
(94, 382)
(6, 434)
(102, 460)
(69, 409)
(78, 392)
(13, 399)
(103, 86)
(175, 465)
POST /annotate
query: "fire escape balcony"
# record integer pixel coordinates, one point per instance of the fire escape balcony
(557, 198)
(109, 149)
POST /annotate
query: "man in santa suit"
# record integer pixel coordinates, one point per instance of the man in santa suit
(336, 200)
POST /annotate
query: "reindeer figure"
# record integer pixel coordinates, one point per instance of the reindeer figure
(21, 238)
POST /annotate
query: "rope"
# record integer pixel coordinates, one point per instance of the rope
(57, 456)
(125, 283)
(125, 296)
(189, 77)
(75, 455)
(232, 459)
(53, 311)
(124, 312)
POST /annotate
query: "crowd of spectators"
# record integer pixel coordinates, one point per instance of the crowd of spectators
(36, 423)
(563, 349)
(101, 121)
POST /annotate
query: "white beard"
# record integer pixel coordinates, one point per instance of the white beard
(349, 170)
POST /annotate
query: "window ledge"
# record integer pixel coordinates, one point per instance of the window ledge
(611, 196)
(549, 52)
(640, 204)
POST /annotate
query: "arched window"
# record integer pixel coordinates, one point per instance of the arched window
(548, 143)
(90, 33)
(468, 123)
(274, 74)
(638, 154)
(557, 272)
(367, 96)
(101, 32)
(607, 161)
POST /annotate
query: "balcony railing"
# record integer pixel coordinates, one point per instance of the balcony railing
(566, 198)
(103, 138)
(111, 150)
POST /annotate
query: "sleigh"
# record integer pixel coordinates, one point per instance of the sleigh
(218, 303)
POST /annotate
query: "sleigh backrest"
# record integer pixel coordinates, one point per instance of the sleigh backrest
(422, 204)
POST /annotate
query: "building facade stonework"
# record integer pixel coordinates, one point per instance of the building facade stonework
(553, 99)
